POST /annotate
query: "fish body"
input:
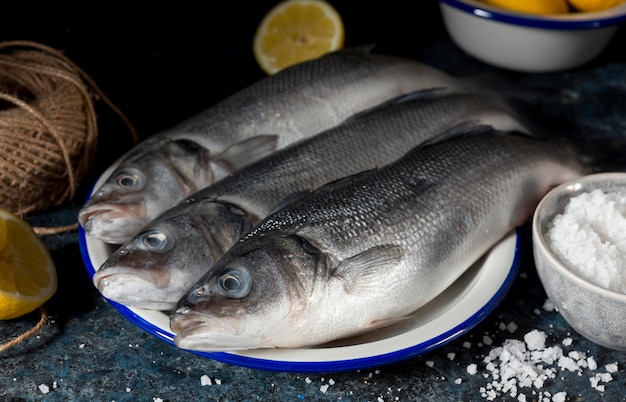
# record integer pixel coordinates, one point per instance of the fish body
(366, 251)
(199, 230)
(276, 111)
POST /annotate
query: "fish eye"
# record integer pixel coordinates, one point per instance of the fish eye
(235, 283)
(129, 179)
(155, 240)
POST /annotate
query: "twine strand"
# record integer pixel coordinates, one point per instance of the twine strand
(55, 134)
(48, 136)
(43, 317)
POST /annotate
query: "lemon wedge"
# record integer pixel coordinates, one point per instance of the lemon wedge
(27, 273)
(532, 6)
(295, 31)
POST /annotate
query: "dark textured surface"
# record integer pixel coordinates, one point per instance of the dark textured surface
(163, 66)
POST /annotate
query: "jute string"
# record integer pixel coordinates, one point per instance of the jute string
(48, 130)
(48, 134)
(43, 317)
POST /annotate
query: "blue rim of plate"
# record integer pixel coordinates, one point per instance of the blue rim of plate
(591, 20)
(326, 366)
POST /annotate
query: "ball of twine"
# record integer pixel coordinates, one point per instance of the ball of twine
(48, 131)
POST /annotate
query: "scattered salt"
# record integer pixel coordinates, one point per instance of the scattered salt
(548, 305)
(517, 365)
(511, 327)
(567, 363)
(567, 341)
(308, 380)
(590, 237)
(44, 388)
(467, 345)
(324, 388)
(535, 339)
(205, 380)
(611, 368)
(597, 380)
(591, 363)
(451, 355)
(472, 369)
(458, 381)
(430, 363)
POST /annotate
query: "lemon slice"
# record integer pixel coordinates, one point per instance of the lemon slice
(532, 6)
(27, 273)
(295, 31)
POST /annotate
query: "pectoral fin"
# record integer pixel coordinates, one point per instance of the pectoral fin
(362, 273)
(244, 153)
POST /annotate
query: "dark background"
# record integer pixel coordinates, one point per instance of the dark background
(161, 65)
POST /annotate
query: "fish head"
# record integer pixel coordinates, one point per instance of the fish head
(155, 268)
(143, 186)
(254, 297)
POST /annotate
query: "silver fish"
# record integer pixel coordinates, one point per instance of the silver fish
(278, 110)
(156, 267)
(369, 250)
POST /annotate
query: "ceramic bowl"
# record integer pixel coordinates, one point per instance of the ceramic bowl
(528, 42)
(597, 313)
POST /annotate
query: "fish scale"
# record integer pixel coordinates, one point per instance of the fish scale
(373, 248)
(294, 104)
(230, 207)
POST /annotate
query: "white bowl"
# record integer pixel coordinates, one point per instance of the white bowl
(597, 313)
(529, 42)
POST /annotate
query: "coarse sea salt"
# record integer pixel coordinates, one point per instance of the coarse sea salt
(518, 365)
(590, 238)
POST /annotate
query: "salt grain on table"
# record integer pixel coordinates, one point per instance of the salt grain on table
(517, 365)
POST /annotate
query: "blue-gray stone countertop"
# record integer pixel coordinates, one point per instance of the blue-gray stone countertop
(164, 66)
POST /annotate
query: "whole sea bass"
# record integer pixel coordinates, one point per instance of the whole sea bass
(281, 109)
(156, 267)
(366, 251)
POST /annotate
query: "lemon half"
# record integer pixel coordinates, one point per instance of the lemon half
(27, 273)
(295, 31)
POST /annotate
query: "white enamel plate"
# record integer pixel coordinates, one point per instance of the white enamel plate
(453, 313)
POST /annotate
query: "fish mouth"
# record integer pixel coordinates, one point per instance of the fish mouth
(208, 333)
(136, 287)
(110, 222)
